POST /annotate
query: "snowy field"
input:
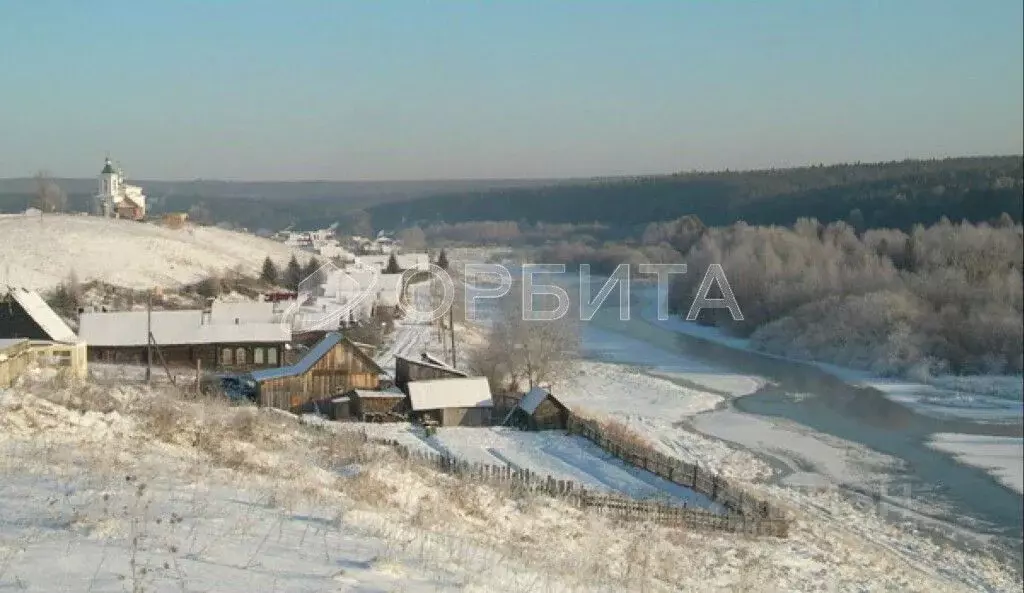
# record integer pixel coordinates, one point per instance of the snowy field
(999, 456)
(547, 453)
(39, 252)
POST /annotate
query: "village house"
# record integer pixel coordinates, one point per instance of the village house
(538, 410)
(228, 340)
(462, 401)
(329, 369)
(24, 315)
(117, 198)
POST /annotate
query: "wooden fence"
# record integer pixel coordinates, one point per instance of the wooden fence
(524, 480)
(716, 488)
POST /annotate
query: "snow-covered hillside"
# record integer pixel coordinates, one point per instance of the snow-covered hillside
(38, 252)
(119, 488)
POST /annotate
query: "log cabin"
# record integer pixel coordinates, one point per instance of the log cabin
(328, 370)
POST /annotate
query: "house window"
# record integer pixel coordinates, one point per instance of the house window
(271, 355)
(240, 356)
(257, 356)
(225, 356)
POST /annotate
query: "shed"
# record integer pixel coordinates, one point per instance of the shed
(332, 367)
(538, 410)
(377, 405)
(24, 314)
(459, 401)
(408, 370)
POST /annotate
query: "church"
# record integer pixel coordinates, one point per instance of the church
(118, 199)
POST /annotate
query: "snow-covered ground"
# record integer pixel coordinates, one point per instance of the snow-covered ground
(999, 456)
(547, 453)
(39, 252)
(122, 489)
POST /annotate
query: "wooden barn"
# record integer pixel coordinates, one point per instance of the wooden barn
(385, 405)
(538, 410)
(459, 401)
(327, 371)
(185, 338)
(428, 367)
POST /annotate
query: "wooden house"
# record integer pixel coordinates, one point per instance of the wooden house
(327, 371)
(459, 401)
(24, 314)
(538, 410)
(428, 367)
(185, 338)
(384, 405)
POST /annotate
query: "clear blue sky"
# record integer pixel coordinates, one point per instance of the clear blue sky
(418, 89)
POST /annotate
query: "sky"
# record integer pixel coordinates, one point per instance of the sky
(341, 90)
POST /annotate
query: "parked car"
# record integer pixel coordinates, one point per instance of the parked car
(233, 386)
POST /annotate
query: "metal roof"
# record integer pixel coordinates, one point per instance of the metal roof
(128, 328)
(532, 399)
(43, 315)
(317, 352)
(460, 392)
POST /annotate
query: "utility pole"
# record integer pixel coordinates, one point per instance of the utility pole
(149, 336)
(451, 330)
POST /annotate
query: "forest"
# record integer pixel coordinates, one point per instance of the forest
(946, 298)
(894, 195)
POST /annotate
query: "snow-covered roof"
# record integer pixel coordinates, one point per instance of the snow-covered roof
(128, 328)
(383, 394)
(244, 311)
(43, 315)
(532, 399)
(460, 392)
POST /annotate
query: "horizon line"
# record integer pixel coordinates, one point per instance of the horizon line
(598, 177)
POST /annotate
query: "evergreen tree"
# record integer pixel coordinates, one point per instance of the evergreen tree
(442, 260)
(269, 273)
(293, 274)
(311, 267)
(392, 267)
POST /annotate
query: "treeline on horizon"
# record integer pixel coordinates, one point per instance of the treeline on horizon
(893, 195)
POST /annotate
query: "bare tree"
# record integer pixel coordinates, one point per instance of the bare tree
(527, 351)
(49, 197)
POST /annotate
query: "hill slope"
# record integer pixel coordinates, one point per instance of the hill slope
(38, 252)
